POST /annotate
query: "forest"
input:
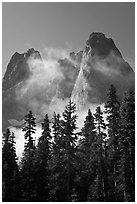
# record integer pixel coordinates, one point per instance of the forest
(94, 164)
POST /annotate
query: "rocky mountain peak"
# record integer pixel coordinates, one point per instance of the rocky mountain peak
(98, 44)
(32, 52)
(17, 69)
(102, 64)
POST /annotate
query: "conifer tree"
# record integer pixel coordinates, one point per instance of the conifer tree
(127, 147)
(27, 163)
(10, 171)
(43, 156)
(87, 147)
(56, 162)
(69, 145)
(101, 183)
(57, 132)
(112, 108)
(89, 134)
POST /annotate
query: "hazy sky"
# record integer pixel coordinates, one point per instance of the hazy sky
(62, 25)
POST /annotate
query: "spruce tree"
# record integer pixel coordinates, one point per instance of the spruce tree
(43, 156)
(56, 162)
(112, 109)
(69, 139)
(89, 134)
(87, 148)
(10, 171)
(27, 162)
(127, 147)
(57, 132)
(101, 181)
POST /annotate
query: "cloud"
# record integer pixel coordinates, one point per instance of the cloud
(37, 91)
(49, 79)
(55, 54)
(42, 74)
(97, 74)
(20, 141)
(16, 123)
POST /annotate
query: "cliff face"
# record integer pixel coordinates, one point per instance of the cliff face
(17, 69)
(102, 64)
(70, 68)
(84, 76)
(15, 76)
(100, 45)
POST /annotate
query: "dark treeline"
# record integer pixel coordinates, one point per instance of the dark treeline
(94, 164)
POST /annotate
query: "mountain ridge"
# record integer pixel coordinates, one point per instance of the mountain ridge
(85, 77)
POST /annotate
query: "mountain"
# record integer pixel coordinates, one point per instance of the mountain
(28, 84)
(17, 69)
(16, 74)
(102, 65)
(41, 85)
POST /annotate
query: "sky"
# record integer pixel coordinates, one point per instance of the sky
(66, 25)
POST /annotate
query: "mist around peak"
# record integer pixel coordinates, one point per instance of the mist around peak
(44, 82)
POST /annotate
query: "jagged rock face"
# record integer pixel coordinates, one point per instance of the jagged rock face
(102, 64)
(100, 45)
(16, 74)
(70, 69)
(17, 69)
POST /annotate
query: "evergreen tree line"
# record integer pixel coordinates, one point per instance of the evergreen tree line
(94, 164)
